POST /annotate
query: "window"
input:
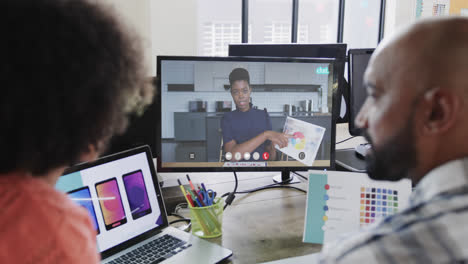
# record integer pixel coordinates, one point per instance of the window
(219, 24)
(277, 32)
(207, 27)
(217, 36)
(318, 21)
(361, 16)
(270, 21)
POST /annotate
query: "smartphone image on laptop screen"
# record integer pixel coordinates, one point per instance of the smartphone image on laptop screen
(111, 203)
(82, 196)
(137, 194)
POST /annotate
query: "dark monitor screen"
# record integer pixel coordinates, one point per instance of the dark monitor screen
(201, 115)
(357, 64)
(141, 130)
(336, 50)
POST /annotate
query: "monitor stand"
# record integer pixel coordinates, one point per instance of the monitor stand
(286, 177)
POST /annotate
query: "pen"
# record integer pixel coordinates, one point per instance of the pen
(189, 200)
(186, 195)
(203, 186)
(191, 184)
(181, 187)
(194, 197)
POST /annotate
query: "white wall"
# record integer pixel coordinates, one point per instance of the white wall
(173, 28)
(398, 14)
(137, 15)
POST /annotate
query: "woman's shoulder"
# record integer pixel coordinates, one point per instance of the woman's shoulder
(259, 112)
(228, 115)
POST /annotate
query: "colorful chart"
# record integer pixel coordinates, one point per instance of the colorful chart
(298, 140)
(377, 203)
(342, 202)
(304, 142)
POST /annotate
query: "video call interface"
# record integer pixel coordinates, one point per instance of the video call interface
(119, 197)
(201, 113)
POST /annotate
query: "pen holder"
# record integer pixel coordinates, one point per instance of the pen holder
(207, 221)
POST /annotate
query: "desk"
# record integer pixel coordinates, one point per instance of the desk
(342, 133)
(345, 155)
(262, 226)
(265, 225)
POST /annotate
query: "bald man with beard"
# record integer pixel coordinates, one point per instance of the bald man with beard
(416, 117)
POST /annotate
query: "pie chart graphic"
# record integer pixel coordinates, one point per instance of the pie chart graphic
(298, 140)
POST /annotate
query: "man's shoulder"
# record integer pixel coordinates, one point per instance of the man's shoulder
(421, 233)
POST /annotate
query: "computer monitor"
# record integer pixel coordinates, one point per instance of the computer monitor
(335, 50)
(198, 115)
(357, 64)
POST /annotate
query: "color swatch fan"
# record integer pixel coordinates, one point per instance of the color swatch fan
(343, 202)
(305, 141)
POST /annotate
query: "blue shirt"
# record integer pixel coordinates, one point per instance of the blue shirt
(243, 126)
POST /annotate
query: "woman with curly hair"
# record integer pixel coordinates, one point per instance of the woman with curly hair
(70, 73)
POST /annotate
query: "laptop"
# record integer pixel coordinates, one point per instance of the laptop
(122, 195)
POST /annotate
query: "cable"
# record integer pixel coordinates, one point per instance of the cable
(273, 187)
(180, 220)
(300, 175)
(269, 186)
(252, 190)
(176, 215)
(180, 206)
(231, 195)
(344, 140)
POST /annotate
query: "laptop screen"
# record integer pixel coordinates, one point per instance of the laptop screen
(119, 194)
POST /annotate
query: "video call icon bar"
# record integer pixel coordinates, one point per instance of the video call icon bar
(238, 156)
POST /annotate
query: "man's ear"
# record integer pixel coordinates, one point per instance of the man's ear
(441, 107)
(90, 155)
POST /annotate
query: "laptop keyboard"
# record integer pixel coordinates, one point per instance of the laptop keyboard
(155, 251)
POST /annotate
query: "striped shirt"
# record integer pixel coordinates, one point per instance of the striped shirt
(41, 225)
(433, 229)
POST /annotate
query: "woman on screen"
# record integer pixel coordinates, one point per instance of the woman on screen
(248, 130)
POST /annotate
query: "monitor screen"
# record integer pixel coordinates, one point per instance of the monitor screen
(335, 50)
(202, 116)
(358, 60)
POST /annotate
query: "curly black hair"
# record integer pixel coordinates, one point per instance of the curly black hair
(239, 74)
(70, 72)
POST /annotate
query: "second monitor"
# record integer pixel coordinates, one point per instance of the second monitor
(332, 50)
